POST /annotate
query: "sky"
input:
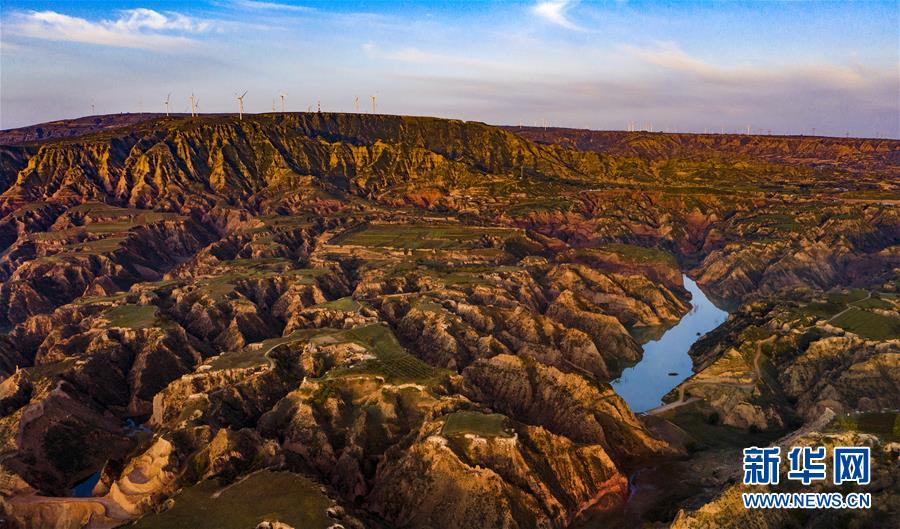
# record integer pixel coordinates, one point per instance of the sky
(794, 67)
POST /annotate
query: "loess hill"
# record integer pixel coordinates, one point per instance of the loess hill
(396, 321)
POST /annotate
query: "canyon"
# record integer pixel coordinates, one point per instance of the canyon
(390, 321)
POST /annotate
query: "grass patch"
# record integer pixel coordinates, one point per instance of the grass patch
(694, 418)
(131, 316)
(835, 302)
(640, 254)
(413, 237)
(391, 359)
(105, 245)
(283, 496)
(106, 228)
(475, 422)
(869, 324)
(873, 303)
(346, 304)
(883, 424)
(50, 370)
(256, 356)
(845, 297)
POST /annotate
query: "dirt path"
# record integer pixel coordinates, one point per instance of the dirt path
(849, 307)
(712, 380)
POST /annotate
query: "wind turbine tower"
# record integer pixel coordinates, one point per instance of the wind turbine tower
(167, 103)
(374, 104)
(93, 111)
(241, 105)
(281, 95)
(193, 105)
(356, 104)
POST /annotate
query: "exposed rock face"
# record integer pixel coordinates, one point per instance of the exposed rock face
(863, 154)
(499, 475)
(775, 361)
(55, 439)
(566, 404)
(421, 316)
(727, 509)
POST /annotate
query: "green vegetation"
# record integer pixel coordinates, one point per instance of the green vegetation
(346, 304)
(105, 245)
(640, 254)
(50, 370)
(290, 498)
(415, 237)
(553, 203)
(869, 324)
(131, 316)
(478, 423)
(106, 228)
(847, 296)
(875, 302)
(391, 359)
(255, 355)
(884, 424)
(699, 420)
(220, 286)
(835, 302)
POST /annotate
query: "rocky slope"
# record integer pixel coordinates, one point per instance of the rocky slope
(780, 362)
(410, 322)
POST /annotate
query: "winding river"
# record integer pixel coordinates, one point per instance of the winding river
(644, 384)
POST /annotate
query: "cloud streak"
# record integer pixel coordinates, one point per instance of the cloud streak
(669, 57)
(271, 6)
(554, 11)
(134, 28)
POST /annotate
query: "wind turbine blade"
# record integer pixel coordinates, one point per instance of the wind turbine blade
(242, 95)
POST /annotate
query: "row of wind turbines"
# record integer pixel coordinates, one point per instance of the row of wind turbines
(195, 104)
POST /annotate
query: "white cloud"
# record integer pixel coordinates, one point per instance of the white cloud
(554, 11)
(134, 28)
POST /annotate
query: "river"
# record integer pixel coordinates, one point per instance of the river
(644, 384)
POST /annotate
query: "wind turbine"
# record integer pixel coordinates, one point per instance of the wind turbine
(194, 103)
(356, 104)
(93, 111)
(241, 105)
(319, 106)
(167, 103)
(374, 103)
(281, 95)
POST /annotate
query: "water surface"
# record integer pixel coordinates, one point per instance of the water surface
(85, 488)
(644, 384)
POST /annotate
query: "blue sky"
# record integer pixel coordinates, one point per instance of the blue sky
(686, 66)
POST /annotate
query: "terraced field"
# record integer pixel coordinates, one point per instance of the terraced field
(391, 359)
(869, 324)
(477, 423)
(131, 316)
(418, 237)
